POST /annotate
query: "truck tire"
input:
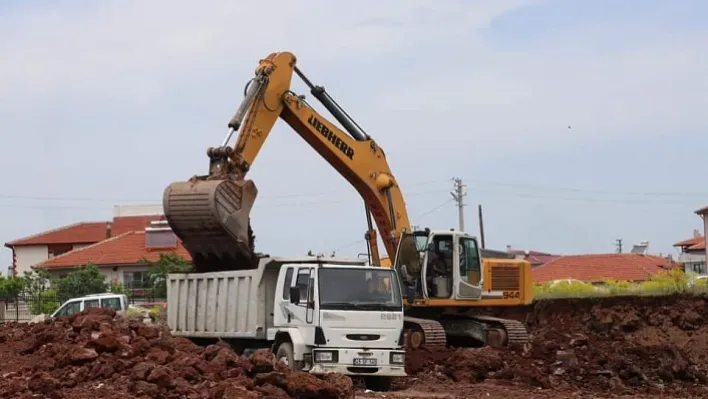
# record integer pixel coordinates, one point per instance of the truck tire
(286, 354)
(378, 383)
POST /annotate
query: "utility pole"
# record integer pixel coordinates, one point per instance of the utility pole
(618, 244)
(481, 225)
(458, 195)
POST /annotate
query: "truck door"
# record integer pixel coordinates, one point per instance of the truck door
(305, 311)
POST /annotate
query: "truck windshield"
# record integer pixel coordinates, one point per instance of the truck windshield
(359, 289)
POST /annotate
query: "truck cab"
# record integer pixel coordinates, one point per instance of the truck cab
(350, 318)
(318, 315)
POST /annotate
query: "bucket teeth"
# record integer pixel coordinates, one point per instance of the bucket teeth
(211, 217)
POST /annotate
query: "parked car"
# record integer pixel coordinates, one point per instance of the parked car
(119, 302)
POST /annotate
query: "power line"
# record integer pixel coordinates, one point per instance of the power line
(433, 209)
(654, 197)
(351, 244)
(283, 196)
(590, 191)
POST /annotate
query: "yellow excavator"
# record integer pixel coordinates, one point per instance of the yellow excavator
(446, 278)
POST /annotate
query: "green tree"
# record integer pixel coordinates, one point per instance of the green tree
(157, 274)
(11, 287)
(118, 288)
(45, 302)
(82, 281)
(36, 281)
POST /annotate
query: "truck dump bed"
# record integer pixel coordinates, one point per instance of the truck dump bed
(232, 304)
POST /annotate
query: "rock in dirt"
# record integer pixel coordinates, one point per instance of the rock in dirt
(98, 354)
(630, 345)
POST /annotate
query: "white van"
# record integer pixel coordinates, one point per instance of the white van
(119, 302)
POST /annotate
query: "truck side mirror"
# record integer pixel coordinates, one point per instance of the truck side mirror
(294, 295)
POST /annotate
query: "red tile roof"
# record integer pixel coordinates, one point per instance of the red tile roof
(692, 244)
(689, 242)
(124, 249)
(700, 245)
(535, 257)
(79, 233)
(599, 267)
(125, 224)
(86, 232)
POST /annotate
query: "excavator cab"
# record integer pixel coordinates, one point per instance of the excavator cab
(440, 265)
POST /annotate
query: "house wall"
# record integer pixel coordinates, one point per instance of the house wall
(705, 232)
(694, 262)
(28, 256)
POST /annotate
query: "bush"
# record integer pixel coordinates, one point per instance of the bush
(663, 283)
(564, 289)
(119, 288)
(44, 303)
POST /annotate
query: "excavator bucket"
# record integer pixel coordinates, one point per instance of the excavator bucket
(211, 217)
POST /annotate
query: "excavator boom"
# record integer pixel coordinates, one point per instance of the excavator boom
(210, 213)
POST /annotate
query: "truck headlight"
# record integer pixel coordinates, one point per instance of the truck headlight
(326, 357)
(398, 358)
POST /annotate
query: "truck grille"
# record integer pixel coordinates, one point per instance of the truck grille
(363, 337)
(506, 278)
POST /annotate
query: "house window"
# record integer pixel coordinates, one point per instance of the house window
(58, 249)
(135, 280)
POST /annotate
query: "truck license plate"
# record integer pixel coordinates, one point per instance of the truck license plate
(364, 362)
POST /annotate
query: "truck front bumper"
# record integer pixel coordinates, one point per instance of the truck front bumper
(359, 362)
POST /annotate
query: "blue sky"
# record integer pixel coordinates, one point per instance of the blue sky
(110, 101)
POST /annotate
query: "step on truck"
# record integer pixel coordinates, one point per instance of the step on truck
(317, 314)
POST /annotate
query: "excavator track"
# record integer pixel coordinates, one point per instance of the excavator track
(211, 218)
(514, 332)
(424, 333)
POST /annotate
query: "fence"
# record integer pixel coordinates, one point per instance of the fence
(27, 307)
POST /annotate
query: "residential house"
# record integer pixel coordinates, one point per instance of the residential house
(535, 258)
(37, 248)
(120, 257)
(703, 213)
(32, 250)
(693, 253)
(595, 268)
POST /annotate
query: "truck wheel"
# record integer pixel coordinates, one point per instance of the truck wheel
(378, 383)
(286, 355)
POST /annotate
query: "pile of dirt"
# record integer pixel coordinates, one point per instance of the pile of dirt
(627, 345)
(96, 354)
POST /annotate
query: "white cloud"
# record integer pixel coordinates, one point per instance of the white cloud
(129, 49)
(528, 98)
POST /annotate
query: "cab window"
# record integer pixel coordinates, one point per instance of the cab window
(69, 309)
(287, 282)
(470, 267)
(111, 303)
(91, 303)
(305, 284)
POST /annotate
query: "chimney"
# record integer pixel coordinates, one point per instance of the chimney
(696, 233)
(508, 248)
(109, 230)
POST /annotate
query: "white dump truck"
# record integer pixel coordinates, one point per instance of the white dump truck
(316, 314)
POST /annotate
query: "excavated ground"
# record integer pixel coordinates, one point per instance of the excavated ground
(629, 347)
(97, 355)
(622, 347)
